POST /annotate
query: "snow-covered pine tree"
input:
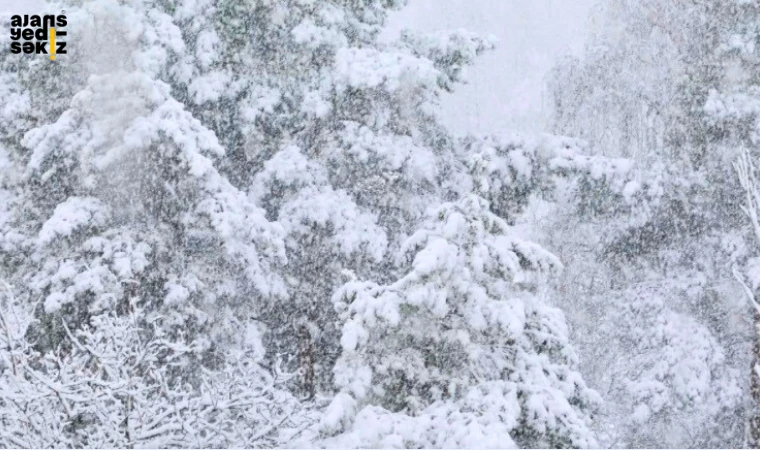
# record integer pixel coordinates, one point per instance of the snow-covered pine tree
(454, 353)
(331, 131)
(146, 215)
(149, 219)
(119, 208)
(463, 349)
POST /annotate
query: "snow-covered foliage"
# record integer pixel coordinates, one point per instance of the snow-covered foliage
(660, 320)
(115, 386)
(247, 228)
(453, 332)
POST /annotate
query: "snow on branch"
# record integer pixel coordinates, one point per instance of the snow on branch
(746, 171)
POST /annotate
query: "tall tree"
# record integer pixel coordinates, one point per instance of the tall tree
(453, 353)
(331, 132)
(119, 212)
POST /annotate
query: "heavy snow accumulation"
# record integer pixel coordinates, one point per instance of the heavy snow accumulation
(380, 224)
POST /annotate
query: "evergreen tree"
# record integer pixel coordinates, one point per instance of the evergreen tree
(454, 351)
(119, 210)
(334, 138)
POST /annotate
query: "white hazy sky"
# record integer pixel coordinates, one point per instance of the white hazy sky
(505, 89)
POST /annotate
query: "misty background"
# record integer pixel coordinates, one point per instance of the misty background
(506, 87)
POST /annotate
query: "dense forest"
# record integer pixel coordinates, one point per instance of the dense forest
(242, 223)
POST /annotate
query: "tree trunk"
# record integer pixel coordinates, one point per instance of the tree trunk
(306, 355)
(753, 423)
